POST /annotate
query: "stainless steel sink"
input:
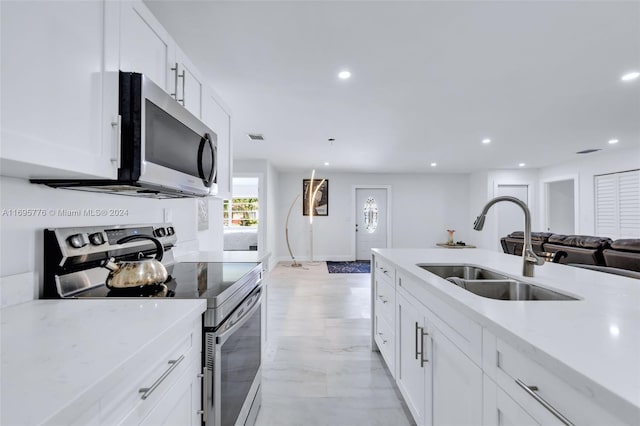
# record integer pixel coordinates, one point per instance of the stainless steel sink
(492, 285)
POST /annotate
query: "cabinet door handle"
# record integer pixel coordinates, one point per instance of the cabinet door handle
(175, 82)
(148, 391)
(417, 328)
(182, 76)
(531, 391)
(422, 353)
(117, 125)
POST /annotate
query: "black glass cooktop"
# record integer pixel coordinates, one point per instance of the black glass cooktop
(215, 282)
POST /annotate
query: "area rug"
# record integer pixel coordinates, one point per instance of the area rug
(359, 266)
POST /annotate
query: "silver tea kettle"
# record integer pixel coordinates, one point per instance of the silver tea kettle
(136, 273)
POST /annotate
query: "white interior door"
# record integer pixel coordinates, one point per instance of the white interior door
(371, 221)
(510, 216)
(560, 207)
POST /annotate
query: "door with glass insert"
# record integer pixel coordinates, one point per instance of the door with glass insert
(371, 221)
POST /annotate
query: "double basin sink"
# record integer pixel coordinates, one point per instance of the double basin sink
(492, 285)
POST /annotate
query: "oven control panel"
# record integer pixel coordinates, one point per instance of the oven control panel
(95, 239)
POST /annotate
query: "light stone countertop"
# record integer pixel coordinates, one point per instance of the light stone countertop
(54, 351)
(224, 256)
(593, 343)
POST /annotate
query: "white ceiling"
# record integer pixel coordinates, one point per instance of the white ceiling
(429, 80)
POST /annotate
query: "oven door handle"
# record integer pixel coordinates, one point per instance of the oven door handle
(221, 338)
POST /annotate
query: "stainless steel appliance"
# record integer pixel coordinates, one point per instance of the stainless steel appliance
(231, 368)
(165, 151)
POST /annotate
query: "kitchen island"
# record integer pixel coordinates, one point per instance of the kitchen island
(590, 345)
(78, 362)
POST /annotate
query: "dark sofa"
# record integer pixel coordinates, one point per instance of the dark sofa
(599, 253)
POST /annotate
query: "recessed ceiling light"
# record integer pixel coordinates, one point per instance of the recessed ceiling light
(434, 164)
(486, 141)
(326, 163)
(630, 76)
(344, 75)
(613, 141)
(521, 165)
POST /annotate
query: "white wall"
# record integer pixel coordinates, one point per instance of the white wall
(423, 207)
(268, 196)
(585, 168)
(22, 236)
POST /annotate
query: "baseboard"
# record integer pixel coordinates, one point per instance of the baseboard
(318, 258)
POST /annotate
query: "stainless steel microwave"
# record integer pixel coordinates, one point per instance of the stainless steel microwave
(165, 151)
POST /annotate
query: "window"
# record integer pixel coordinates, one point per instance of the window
(241, 212)
(617, 205)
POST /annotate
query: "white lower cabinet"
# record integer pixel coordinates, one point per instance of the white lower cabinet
(167, 376)
(180, 405)
(411, 375)
(501, 410)
(439, 383)
(456, 383)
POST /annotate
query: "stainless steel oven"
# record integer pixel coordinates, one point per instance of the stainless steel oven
(232, 366)
(231, 350)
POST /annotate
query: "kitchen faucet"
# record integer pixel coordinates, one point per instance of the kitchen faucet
(529, 258)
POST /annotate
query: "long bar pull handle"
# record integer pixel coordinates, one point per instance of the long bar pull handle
(117, 125)
(175, 82)
(531, 391)
(417, 352)
(203, 412)
(422, 353)
(183, 77)
(148, 391)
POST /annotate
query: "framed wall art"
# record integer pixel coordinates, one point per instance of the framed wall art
(321, 200)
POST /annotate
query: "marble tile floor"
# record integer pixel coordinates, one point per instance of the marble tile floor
(319, 368)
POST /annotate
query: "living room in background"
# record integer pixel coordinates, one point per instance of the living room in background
(242, 215)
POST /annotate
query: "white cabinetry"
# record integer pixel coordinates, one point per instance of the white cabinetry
(215, 115)
(57, 101)
(411, 375)
(433, 373)
(145, 46)
(384, 317)
(60, 63)
(542, 395)
(455, 379)
(188, 84)
(172, 386)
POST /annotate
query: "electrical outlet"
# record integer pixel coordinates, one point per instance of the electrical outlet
(167, 215)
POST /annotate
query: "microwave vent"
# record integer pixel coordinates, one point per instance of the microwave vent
(255, 137)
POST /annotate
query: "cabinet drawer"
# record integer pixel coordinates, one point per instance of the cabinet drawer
(154, 367)
(465, 333)
(384, 269)
(385, 300)
(385, 338)
(547, 392)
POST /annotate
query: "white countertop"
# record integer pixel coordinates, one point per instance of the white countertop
(593, 343)
(54, 351)
(224, 256)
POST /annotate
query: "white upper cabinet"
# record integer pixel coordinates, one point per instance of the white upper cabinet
(145, 46)
(215, 116)
(58, 103)
(188, 84)
(60, 64)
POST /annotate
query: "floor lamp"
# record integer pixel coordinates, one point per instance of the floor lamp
(286, 234)
(312, 197)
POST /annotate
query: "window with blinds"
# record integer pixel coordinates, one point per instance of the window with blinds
(617, 199)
